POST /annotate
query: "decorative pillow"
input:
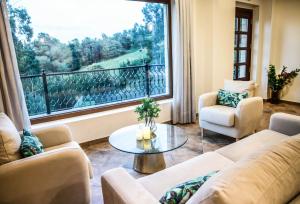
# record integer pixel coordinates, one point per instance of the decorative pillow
(182, 192)
(227, 98)
(240, 86)
(30, 145)
(10, 140)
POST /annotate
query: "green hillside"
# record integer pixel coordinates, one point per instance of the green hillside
(118, 61)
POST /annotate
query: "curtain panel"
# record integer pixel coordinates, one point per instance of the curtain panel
(183, 110)
(12, 100)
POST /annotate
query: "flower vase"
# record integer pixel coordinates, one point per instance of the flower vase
(275, 97)
(150, 122)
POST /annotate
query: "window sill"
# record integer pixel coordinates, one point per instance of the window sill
(91, 116)
(89, 110)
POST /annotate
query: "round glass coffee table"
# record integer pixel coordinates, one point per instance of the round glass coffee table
(148, 154)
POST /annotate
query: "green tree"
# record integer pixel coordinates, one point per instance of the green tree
(74, 46)
(53, 56)
(154, 15)
(22, 33)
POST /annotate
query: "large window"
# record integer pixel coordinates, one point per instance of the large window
(84, 55)
(242, 44)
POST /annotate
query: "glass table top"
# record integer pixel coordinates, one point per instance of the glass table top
(168, 137)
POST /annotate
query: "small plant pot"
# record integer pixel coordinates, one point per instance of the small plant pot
(275, 97)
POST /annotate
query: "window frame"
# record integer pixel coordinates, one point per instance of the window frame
(248, 14)
(110, 106)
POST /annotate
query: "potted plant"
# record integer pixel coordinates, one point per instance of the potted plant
(277, 82)
(148, 111)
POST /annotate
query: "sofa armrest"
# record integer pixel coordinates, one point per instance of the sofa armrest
(285, 123)
(56, 176)
(54, 135)
(248, 114)
(119, 187)
(207, 99)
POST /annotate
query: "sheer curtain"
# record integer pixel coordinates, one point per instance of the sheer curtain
(12, 101)
(183, 107)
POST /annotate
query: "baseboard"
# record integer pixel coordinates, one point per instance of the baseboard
(284, 101)
(97, 141)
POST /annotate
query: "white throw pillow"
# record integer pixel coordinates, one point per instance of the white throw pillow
(240, 86)
(10, 140)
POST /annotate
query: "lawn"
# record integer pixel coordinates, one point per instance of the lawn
(118, 61)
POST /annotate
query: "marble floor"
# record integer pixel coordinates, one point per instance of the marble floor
(104, 157)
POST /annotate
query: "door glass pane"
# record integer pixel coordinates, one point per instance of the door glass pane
(242, 56)
(235, 40)
(236, 24)
(244, 24)
(242, 71)
(235, 56)
(234, 72)
(243, 40)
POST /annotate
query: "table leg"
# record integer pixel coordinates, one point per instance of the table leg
(149, 163)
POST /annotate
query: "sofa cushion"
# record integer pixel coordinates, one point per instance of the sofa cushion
(220, 115)
(270, 175)
(231, 99)
(10, 140)
(170, 177)
(240, 86)
(251, 144)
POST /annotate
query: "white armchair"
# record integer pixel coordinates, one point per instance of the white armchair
(234, 122)
(58, 175)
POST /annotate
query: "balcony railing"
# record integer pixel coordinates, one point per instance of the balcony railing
(47, 93)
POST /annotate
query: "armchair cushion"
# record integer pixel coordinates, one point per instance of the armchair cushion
(228, 98)
(220, 115)
(10, 140)
(240, 86)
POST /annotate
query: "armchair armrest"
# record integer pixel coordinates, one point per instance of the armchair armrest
(207, 99)
(119, 187)
(248, 114)
(54, 135)
(56, 176)
(285, 123)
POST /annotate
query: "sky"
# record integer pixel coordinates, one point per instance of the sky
(69, 19)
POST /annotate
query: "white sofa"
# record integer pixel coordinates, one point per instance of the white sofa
(61, 174)
(119, 187)
(234, 122)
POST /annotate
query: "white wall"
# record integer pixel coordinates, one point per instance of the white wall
(99, 125)
(286, 42)
(223, 41)
(213, 44)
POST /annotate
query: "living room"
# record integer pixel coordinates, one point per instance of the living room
(168, 101)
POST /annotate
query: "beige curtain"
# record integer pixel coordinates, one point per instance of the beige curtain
(183, 107)
(12, 101)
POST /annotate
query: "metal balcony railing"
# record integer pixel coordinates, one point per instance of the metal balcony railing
(47, 93)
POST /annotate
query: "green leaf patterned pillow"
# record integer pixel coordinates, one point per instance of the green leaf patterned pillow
(181, 193)
(30, 144)
(227, 98)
